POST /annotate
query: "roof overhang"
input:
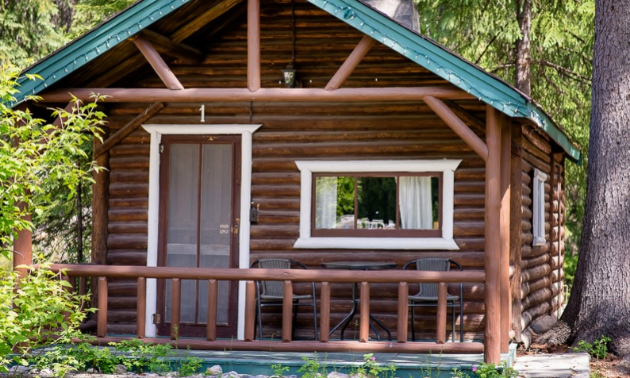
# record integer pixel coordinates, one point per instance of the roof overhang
(416, 47)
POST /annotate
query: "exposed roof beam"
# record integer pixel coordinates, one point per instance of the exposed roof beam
(253, 45)
(472, 121)
(212, 13)
(351, 63)
(117, 95)
(460, 128)
(158, 64)
(128, 129)
(165, 45)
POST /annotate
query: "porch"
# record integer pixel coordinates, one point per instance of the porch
(100, 274)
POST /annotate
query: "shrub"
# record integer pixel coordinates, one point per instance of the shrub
(38, 311)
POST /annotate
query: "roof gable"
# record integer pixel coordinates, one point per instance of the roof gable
(419, 49)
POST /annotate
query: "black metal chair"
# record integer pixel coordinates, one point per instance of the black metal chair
(427, 295)
(271, 293)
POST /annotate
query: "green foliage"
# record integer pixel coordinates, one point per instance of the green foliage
(134, 354)
(312, 368)
(597, 349)
(90, 13)
(36, 157)
(370, 369)
(458, 373)
(36, 312)
(562, 35)
(491, 371)
(277, 370)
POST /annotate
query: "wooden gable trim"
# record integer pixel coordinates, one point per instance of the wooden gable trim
(128, 129)
(167, 46)
(117, 95)
(155, 60)
(458, 126)
(351, 63)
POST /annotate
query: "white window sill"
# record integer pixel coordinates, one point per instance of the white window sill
(538, 242)
(376, 243)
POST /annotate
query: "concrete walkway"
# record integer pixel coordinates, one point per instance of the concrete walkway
(574, 365)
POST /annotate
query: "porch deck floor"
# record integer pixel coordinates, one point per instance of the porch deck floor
(407, 365)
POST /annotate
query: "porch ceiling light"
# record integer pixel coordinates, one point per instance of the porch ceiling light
(288, 76)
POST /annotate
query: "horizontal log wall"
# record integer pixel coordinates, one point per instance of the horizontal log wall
(296, 131)
(541, 266)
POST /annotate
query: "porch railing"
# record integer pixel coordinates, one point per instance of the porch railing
(101, 273)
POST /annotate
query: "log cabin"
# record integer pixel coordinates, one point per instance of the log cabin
(319, 131)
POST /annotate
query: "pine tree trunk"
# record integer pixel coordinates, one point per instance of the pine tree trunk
(600, 299)
(523, 46)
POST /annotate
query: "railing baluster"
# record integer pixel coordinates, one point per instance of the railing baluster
(141, 306)
(250, 309)
(176, 306)
(403, 311)
(324, 312)
(440, 337)
(82, 285)
(364, 325)
(101, 323)
(287, 311)
(213, 296)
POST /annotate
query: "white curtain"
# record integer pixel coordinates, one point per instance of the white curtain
(326, 202)
(416, 207)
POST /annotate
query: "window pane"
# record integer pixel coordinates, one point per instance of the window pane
(419, 203)
(377, 202)
(334, 202)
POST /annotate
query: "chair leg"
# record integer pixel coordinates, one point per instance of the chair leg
(315, 320)
(413, 324)
(295, 311)
(453, 330)
(259, 315)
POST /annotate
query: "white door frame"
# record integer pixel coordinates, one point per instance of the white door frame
(156, 132)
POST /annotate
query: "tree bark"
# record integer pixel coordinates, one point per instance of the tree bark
(523, 57)
(599, 302)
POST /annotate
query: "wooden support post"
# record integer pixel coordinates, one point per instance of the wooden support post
(253, 45)
(403, 311)
(440, 336)
(121, 134)
(458, 126)
(516, 202)
(287, 311)
(158, 64)
(506, 302)
(324, 312)
(82, 285)
(492, 261)
(101, 322)
(176, 307)
(23, 246)
(141, 306)
(100, 210)
(213, 299)
(364, 322)
(351, 63)
(250, 310)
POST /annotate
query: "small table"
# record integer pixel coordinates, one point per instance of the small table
(359, 265)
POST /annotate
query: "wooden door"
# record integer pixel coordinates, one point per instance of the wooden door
(199, 210)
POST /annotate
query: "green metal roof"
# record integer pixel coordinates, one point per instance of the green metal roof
(425, 52)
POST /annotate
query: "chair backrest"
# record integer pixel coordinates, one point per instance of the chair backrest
(274, 288)
(432, 264)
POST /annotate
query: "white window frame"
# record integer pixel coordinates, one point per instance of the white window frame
(538, 204)
(156, 132)
(308, 167)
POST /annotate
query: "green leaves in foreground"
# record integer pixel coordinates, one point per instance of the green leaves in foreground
(36, 157)
(34, 312)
